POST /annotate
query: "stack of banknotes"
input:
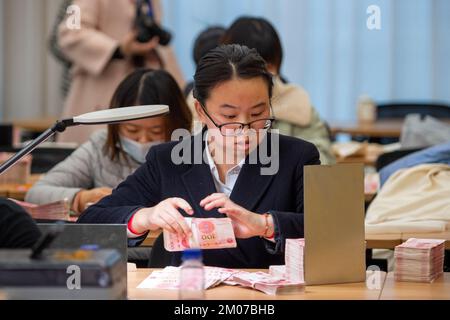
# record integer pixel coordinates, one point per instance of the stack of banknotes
(419, 260)
(293, 256)
(294, 253)
(265, 282)
(59, 210)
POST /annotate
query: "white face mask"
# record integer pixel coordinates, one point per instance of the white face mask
(137, 151)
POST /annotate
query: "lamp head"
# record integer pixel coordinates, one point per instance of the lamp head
(116, 115)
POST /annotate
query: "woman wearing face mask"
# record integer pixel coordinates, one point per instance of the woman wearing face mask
(264, 200)
(99, 165)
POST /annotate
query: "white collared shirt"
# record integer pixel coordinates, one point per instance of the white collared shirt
(230, 177)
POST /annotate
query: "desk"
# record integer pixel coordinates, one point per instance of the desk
(369, 160)
(379, 129)
(18, 191)
(438, 290)
(34, 125)
(348, 291)
(150, 240)
(386, 128)
(389, 241)
(383, 241)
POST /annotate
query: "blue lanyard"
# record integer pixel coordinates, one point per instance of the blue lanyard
(150, 8)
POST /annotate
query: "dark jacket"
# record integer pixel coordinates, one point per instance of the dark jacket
(160, 178)
(17, 228)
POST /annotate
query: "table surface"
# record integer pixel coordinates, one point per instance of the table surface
(437, 290)
(380, 128)
(18, 191)
(369, 160)
(34, 125)
(332, 292)
(389, 241)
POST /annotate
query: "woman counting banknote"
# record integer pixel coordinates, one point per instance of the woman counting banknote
(235, 170)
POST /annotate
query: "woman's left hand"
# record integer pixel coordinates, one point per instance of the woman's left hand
(246, 224)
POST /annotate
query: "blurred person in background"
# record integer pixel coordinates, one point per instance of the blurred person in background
(100, 164)
(104, 49)
(55, 50)
(291, 103)
(206, 40)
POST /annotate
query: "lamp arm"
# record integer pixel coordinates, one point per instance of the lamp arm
(59, 126)
(98, 117)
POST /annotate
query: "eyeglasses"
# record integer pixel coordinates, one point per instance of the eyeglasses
(233, 129)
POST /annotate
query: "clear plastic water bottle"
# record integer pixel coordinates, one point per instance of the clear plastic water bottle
(192, 276)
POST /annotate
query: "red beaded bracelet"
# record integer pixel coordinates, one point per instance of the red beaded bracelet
(266, 215)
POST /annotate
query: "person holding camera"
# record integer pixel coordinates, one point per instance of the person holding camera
(112, 38)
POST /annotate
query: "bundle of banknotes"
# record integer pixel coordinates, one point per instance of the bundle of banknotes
(168, 279)
(419, 260)
(294, 254)
(207, 233)
(265, 282)
(278, 271)
(59, 210)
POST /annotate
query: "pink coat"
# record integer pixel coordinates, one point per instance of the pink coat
(104, 23)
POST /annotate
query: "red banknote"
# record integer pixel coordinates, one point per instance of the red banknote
(207, 233)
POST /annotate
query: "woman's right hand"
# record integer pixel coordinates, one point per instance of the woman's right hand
(164, 215)
(131, 47)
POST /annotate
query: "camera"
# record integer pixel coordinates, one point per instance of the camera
(146, 26)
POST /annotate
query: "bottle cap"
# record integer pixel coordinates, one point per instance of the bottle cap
(189, 254)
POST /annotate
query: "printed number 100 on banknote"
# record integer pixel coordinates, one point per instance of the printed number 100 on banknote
(212, 233)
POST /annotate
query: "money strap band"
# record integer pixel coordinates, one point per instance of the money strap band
(266, 216)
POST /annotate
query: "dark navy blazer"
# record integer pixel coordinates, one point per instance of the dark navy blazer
(160, 178)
